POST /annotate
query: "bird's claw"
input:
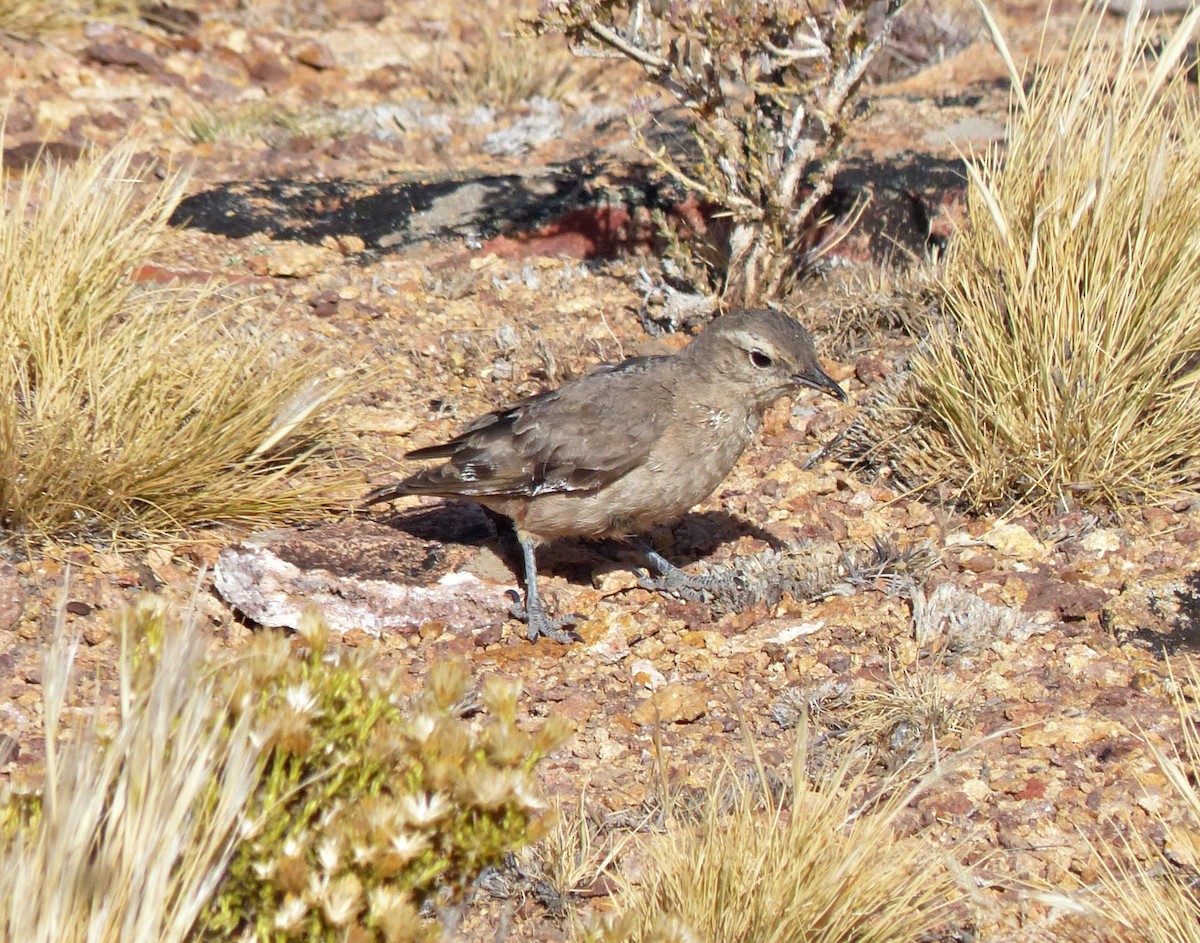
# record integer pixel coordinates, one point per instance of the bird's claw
(542, 625)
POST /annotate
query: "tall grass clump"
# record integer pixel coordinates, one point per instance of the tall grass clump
(127, 408)
(135, 823)
(823, 865)
(1068, 371)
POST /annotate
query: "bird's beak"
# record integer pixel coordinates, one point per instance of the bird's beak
(818, 379)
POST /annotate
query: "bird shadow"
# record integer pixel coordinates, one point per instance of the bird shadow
(693, 537)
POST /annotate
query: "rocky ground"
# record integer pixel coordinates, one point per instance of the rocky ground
(359, 184)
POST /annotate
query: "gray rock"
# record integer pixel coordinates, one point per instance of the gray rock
(363, 574)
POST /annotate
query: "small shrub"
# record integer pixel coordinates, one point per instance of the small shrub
(368, 810)
(130, 409)
(1069, 371)
(771, 90)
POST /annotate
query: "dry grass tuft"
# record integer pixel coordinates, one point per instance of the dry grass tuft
(37, 16)
(503, 67)
(576, 856)
(133, 409)
(256, 120)
(1069, 370)
(826, 864)
(917, 705)
(136, 826)
(1158, 903)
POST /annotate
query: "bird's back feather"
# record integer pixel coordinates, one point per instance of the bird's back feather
(574, 438)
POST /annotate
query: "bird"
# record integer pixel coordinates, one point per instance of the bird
(625, 448)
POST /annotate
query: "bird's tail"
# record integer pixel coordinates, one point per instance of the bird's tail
(397, 489)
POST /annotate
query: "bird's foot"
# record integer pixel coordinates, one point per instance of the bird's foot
(676, 582)
(542, 625)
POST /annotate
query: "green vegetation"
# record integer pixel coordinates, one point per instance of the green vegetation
(367, 810)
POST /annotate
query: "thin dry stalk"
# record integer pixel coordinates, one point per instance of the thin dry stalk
(131, 409)
(826, 865)
(1156, 902)
(1068, 373)
(577, 852)
(136, 829)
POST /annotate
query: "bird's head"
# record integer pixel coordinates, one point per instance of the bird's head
(761, 354)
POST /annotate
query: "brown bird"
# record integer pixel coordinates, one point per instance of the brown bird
(625, 448)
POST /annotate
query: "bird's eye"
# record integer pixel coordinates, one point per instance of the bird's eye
(760, 359)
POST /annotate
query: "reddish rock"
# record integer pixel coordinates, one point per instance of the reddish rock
(12, 597)
(123, 54)
(267, 68)
(870, 370)
(315, 55)
(360, 11)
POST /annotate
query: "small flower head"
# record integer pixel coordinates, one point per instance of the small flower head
(423, 809)
(342, 900)
(290, 914)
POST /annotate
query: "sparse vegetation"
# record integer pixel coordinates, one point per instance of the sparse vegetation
(1068, 372)
(916, 706)
(130, 408)
(824, 864)
(503, 67)
(771, 90)
(249, 121)
(576, 853)
(281, 797)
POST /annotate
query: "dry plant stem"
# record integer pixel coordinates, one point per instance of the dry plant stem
(1147, 891)
(772, 92)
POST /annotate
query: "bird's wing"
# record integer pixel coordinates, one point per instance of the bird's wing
(578, 437)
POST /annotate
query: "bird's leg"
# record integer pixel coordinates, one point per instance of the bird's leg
(533, 613)
(671, 579)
